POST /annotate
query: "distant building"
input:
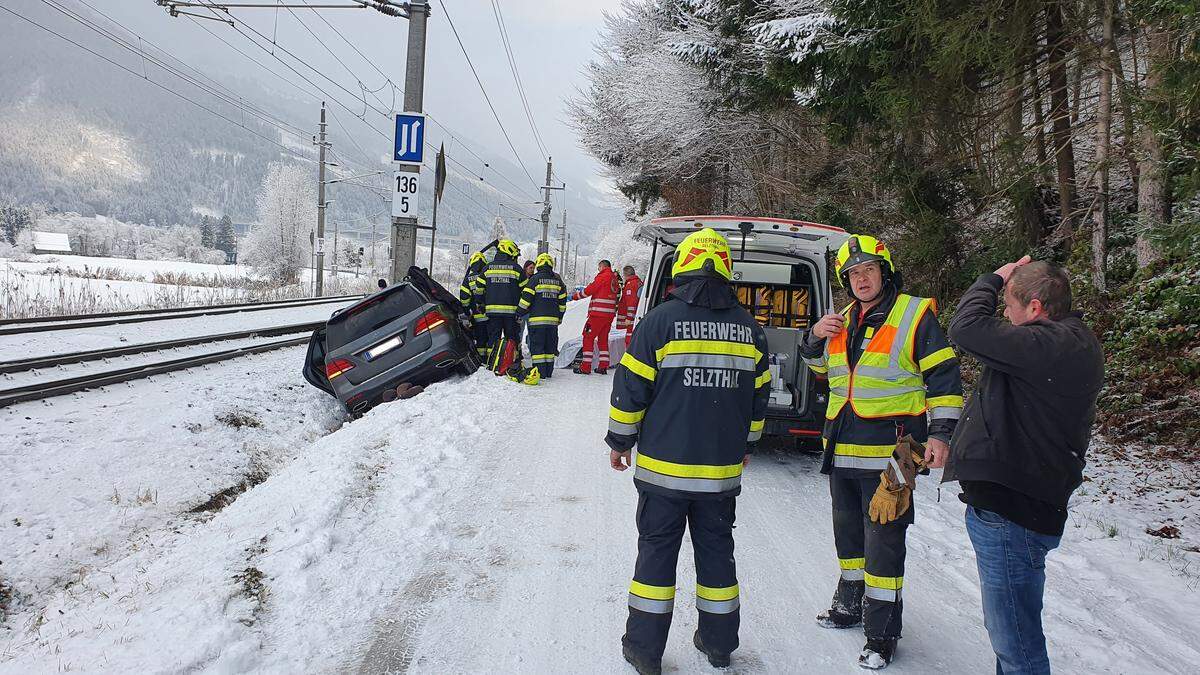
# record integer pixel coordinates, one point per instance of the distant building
(51, 242)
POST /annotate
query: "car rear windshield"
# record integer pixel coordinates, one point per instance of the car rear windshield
(372, 314)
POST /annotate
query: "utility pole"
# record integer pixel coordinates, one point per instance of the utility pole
(562, 235)
(321, 206)
(544, 244)
(404, 230)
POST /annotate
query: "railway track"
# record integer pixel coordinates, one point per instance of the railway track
(69, 385)
(40, 362)
(54, 323)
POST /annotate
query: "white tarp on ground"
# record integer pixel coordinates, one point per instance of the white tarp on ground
(571, 348)
(51, 242)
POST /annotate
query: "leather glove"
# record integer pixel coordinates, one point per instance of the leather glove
(893, 497)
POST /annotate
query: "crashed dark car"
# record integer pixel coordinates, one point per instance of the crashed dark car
(415, 332)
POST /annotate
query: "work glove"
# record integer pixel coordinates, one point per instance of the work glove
(893, 497)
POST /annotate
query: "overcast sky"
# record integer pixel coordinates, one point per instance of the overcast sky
(551, 40)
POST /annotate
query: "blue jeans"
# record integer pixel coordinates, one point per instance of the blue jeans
(1012, 577)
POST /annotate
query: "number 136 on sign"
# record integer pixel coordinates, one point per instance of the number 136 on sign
(405, 187)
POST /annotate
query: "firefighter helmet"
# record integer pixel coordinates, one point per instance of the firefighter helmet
(544, 259)
(859, 249)
(703, 253)
(508, 247)
(477, 257)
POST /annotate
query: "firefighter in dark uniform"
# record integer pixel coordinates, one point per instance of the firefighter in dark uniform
(501, 284)
(889, 365)
(544, 301)
(691, 393)
(470, 294)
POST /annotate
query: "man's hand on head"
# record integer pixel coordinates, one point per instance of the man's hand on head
(1006, 271)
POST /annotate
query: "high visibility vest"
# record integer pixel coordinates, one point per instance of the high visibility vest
(886, 381)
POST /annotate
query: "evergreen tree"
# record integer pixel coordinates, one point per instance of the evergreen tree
(223, 238)
(206, 232)
(13, 219)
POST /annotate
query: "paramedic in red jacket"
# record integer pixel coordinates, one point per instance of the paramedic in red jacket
(601, 311)
(628, 304)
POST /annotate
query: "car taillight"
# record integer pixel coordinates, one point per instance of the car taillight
(337, 367)
(430, 321)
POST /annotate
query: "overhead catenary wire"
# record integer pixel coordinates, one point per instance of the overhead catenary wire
(486, 98)
(155, 83)
(215, 89)
(512, 64)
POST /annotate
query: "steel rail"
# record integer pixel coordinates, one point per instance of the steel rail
(73, 323)
(22, 365)
(71, 385)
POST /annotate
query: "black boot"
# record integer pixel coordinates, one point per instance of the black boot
(715, 659)
(602, 371)
(640, 663)
(831, 618)
(877, 653)
(846, 609)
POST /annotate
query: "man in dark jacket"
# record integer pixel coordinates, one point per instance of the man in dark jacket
(501, 285)
(691, 392)
(1020, 448)
(543, 303)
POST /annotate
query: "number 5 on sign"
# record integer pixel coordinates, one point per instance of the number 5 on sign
(404, 194)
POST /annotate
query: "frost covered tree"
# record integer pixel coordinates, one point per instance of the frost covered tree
(223, 236)
(14, 220)
(287, 207)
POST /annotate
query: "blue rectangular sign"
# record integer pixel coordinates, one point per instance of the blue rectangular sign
(410, 138)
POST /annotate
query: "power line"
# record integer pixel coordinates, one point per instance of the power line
(485, 94)
(157, 84)
(369, 61)
(512, 64)
(337, 58)
(216, 90)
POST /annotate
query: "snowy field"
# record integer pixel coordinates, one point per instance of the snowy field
(227, 519)
(38, 288)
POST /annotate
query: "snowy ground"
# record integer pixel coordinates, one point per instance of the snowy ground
(24, 345)
(476, 528)
(27, 289)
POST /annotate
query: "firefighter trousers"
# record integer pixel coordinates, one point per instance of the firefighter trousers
(479, 333)
(543, 347)
(870, 555)
(596, 330)
(661, 521)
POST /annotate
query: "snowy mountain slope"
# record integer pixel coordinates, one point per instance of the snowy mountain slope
(475, 528)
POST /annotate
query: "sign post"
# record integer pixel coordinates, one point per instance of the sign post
(408, 151)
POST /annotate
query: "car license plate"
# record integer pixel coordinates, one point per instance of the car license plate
(383, 348)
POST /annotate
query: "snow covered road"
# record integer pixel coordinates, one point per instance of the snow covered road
(475, 528)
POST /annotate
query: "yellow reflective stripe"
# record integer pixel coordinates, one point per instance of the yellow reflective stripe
(638, 368)
(501, 273)
(757, 425)
(888, 583)
(859, 450)
(717, 594)
(625, 417)
(652, 592)
(937, 358)
(547, 287)
(952, 401)
(490, 307)
(852, 563)
(708, 347)
(818, 369)
(763, 379)
(689, 470)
